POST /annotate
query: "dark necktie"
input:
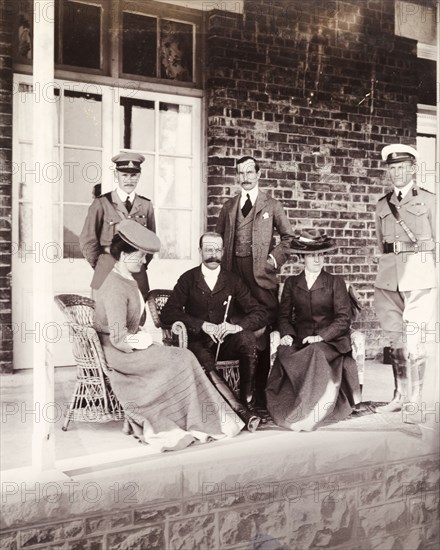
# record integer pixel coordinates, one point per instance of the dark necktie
(128, 204)
(399, 196)
(247, 206)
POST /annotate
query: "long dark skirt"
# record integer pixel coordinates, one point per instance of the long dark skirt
(310, 387)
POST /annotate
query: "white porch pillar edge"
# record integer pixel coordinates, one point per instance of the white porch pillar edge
(43, 437)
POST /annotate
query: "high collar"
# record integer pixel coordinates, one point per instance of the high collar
(253, 194)
(404, 190)
(210, 273)
(123, 195)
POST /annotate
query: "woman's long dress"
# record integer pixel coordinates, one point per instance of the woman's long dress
(166, 396)
(313, 384)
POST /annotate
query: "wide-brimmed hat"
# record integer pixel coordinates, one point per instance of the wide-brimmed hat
(311, 241)
(138, 236)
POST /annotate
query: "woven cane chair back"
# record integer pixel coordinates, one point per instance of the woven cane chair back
(156, 299)
(93, 399)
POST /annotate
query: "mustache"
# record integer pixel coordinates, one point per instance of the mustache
(212, 259)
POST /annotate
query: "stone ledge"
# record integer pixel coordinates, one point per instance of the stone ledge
(297, 490)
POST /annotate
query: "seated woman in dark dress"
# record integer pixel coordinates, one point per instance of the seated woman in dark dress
(167, 398)
(314, 379)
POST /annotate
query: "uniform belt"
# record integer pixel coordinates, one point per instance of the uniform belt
(398, 247)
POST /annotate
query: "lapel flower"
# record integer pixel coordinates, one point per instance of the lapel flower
(265, 215)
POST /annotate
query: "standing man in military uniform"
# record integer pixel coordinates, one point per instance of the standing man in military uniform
(104, 215)
(247, 223)
(405, 296)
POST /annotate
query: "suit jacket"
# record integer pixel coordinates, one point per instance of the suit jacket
(193, 303)
(269, 214)
(324, 310)
(407, 270)
(101, 224)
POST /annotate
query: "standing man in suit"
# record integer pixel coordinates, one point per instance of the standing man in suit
(104, 215)
(247, 223)
(199, 300)
(405, 295)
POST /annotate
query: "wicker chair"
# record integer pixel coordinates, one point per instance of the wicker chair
(177, 336)
(93, 399)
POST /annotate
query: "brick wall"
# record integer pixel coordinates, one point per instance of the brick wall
(5, 186)
(314, 90)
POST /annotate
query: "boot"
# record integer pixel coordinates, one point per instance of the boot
(400, 372)
(416, 372)
(248, 369)
(251, 420)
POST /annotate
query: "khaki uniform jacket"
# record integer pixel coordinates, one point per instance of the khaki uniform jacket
(407, 270)
(269, 215)
(101, 225)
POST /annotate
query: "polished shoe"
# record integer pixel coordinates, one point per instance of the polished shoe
(252, 421)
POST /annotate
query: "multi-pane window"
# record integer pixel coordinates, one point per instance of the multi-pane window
(150, 41)
(163, 133)
(79, 35)
(157, 47)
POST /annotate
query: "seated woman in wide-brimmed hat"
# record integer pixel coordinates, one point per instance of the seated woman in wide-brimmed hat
(314, 379)
(167, 398)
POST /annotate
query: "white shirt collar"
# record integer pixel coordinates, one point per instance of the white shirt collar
(253, 193)
(404, 190)
(311, 277)
(211, 275)
(123, 196)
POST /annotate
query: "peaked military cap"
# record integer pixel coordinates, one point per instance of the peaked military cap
(128, 162)
(398, 152)
(138, 236)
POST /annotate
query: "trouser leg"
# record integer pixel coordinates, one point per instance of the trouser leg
(252, 421)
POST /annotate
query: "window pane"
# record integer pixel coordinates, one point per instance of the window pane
(426, 81)
(176, 51)
(137, 124)
(81, 35)
(24, 30)
(82, 119)
(74, 217)
(145, 186)
(28, 171)
(175, 181)
(25, 213)
(139, 45)
(82, 170)
(175, 129)
(25, 225)
(174, 232)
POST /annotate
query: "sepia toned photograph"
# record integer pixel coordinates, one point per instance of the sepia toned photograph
(219, 321)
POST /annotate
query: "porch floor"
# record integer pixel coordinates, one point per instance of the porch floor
(86, 439)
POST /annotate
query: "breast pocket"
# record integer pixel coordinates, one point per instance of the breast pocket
(109, 228)
(141, 218)
(417, 218)
(388, 225)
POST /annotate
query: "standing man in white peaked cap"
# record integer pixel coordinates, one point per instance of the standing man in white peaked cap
(405, 296)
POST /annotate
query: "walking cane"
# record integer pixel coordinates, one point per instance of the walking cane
(224, 320)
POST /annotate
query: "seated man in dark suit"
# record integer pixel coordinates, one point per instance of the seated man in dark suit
(199, 300)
